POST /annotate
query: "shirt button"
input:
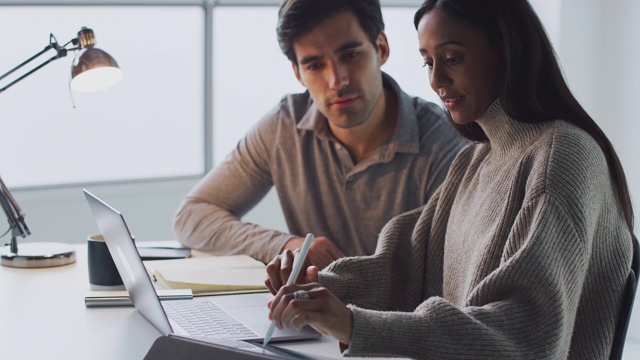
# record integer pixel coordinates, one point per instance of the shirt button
(338, 146)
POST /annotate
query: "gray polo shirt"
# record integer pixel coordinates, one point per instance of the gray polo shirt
(319, 187)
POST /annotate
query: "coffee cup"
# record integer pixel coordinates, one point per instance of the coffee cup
(103, 274)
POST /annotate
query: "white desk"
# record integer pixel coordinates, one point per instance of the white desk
(42, 316)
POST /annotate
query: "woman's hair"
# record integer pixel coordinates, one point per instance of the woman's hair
(533, 88)
(297, 17)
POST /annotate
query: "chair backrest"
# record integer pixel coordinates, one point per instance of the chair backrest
(627, 304)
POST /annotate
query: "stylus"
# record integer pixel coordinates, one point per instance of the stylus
(297, 265)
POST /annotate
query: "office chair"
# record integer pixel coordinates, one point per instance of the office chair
(627, 304)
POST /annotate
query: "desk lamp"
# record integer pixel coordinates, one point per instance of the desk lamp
(93, 70)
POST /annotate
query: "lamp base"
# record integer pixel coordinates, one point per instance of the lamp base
(39, 255)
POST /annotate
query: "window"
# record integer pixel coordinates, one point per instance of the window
(152, 124)
(149, 125)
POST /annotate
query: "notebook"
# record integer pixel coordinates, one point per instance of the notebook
(244, 318)
(210, 275)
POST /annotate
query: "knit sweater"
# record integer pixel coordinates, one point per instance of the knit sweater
(522, 253)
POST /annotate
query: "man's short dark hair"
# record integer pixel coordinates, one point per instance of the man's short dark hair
(297, 17)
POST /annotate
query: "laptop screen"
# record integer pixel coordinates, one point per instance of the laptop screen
(125, 255)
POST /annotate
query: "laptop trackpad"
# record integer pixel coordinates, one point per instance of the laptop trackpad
(253, 312)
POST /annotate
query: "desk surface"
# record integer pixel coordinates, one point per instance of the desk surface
(42, 316)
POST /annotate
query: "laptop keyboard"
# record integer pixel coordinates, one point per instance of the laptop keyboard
(204, 318)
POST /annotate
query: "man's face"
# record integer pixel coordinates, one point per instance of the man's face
(340, 67)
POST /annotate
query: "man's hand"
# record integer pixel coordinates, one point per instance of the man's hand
(279, 269)
(322, 251)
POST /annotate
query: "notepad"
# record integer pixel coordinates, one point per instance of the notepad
(210, 275)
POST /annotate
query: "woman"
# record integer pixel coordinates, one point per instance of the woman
(524, 250)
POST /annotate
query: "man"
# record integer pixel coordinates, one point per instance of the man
(345, 156)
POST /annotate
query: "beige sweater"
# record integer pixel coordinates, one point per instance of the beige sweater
(522, 253)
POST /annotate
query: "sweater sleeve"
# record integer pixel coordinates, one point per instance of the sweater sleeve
(209, 218)
(372, 281)
(524, 309)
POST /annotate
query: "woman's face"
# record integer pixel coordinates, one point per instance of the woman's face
(464, 67)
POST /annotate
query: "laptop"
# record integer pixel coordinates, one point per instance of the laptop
(243, 318)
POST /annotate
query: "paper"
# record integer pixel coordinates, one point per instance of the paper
(213, 274)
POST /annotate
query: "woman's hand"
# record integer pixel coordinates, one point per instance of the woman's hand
(279, 269)
(322, 310)
(322, 251)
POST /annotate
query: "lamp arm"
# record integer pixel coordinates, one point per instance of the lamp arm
(20, 215)
(13, 224)
(17, 211)
(15, 216)
(61, 51)
(8, 210)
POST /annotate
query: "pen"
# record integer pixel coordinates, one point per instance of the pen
(297, 265)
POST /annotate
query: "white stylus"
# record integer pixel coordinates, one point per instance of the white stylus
(297, 266)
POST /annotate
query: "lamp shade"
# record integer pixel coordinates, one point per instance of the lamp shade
(94, 70)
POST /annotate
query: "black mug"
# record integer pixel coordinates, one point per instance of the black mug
(103, 274)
